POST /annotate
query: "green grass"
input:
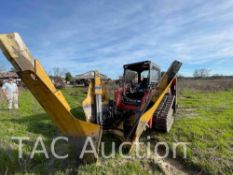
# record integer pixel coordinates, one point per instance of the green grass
(204, 119)
(31, 121)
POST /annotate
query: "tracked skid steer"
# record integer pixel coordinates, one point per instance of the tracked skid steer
(145, 100)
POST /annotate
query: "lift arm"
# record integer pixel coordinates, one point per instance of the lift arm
(96, 101)
(147, 110)
(38, 82)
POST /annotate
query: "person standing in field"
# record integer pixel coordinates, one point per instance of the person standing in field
(10, 90)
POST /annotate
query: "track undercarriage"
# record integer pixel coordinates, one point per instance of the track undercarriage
(163, 118)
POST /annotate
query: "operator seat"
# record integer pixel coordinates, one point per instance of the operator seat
(144, 84)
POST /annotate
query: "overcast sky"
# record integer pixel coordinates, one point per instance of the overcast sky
(103, 35)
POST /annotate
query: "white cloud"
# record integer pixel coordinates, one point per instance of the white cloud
(105, 35)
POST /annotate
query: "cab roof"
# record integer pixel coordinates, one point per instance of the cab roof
(141, 66)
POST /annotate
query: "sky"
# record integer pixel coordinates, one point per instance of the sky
(83, 35)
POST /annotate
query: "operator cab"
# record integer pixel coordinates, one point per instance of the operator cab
(138, 79)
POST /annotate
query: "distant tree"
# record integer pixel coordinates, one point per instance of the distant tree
(59, 72)
(68, 77)
(180, 75)
(217, 75)
(201, 73)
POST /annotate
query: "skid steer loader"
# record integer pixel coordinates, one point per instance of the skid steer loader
(145, 100)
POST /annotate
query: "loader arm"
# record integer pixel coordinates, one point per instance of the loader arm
(156, 95)
(97, 99)
(52, 100)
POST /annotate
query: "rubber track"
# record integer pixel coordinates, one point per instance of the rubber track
(160, 118)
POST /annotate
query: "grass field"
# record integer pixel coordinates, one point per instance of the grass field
(204, 119)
